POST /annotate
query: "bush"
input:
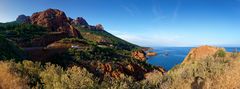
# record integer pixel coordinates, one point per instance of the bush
(220, 53)
(31, 71)
(54, 77)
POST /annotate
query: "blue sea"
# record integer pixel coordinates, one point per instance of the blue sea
(168, 57)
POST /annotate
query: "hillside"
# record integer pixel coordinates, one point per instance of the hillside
(105, 39)
(50, 39)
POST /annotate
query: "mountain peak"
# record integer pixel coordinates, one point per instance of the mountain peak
(55, 20)
(80, 21)
(23, 19)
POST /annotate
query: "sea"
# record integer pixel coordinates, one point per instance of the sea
(168, 57)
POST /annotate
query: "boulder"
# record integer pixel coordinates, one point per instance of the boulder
(201, 52)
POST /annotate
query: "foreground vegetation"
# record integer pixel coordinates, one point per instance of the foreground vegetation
(218, 72)
(28, 74)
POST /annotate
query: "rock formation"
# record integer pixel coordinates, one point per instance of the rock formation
(55, 20)
(117, 69)
(99, 27)
(201, 52)
(80, 22)
(151, 54)
(23, 19)
(140, 55)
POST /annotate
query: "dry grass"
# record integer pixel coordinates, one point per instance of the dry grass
(8, 79)
(230, 79)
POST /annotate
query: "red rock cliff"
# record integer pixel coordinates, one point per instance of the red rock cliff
(55, 20)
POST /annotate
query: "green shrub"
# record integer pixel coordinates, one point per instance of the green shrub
(31, 71)
(54, 77)
(220, 53)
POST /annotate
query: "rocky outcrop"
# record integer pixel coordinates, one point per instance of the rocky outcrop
(201, 52)
(115, 70)
(151, 54)
(140, 55)
(55, 20)
(23, 19)
(99, 27)
(79, 21)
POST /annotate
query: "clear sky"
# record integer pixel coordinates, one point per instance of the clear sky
(148, 22)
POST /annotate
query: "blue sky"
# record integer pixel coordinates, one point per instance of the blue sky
(148, 22)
